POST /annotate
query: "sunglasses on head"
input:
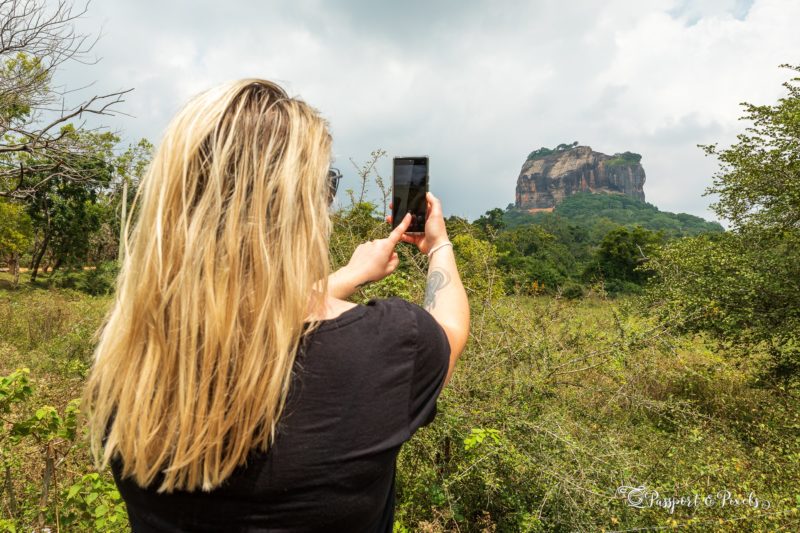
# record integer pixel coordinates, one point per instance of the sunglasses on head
(334, 175)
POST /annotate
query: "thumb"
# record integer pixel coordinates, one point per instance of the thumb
(436, 205)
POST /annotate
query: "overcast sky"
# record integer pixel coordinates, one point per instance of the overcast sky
(476, 85)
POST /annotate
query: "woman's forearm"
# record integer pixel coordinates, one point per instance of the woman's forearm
(343, 283)
(446, 300)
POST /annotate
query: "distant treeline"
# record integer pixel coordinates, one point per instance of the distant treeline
(587, 238)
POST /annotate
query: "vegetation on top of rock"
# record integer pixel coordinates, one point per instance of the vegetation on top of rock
(544, 151)
(624, 158)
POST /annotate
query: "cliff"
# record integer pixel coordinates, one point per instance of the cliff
(548, 176)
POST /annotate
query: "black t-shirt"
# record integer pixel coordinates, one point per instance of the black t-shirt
(363, 383)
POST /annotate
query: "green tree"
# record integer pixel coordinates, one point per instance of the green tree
(47, 156)
(35, 41)
(491, 222)
(65, 211)
(622, 254)
(758, 181)
(742, 286)
(532, 257)
(115, 203)
(16, 234)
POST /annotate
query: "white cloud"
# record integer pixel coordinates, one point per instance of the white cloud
(475, 85)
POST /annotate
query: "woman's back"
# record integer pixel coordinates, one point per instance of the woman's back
(214, 385)
(362, 384)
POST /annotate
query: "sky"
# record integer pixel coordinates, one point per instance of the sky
(474, 84)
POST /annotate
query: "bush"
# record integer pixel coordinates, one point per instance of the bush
(98, 281)
(101, 280)
(572, 291)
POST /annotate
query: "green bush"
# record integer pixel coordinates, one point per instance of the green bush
(623, 159)
(572, 291)
(96, 281)
(100, 280)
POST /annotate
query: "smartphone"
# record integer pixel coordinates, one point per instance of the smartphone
(409, 190)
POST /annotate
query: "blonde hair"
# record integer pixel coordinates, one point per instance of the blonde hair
(194, 359)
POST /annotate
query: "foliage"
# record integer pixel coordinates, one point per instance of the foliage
(53, 435)
(477, 267)
(97, 280)
(572, 291)
(93, 503)
(740, 287)
(544, 152)
(16, 230)
(588, 236)
(727, 286)
(758, 182)
(491, 222)
(49, 161)
(38, 140)
(533, 259)
(117, 199)
(556, 403)
(623, 159)
(16, 234)
(623, 254)
(592, 211)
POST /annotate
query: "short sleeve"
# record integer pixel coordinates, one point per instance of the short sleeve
(432, 360)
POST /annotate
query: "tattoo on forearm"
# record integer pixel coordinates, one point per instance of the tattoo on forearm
(437, 280)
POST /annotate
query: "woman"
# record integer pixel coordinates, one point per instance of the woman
(233, 387)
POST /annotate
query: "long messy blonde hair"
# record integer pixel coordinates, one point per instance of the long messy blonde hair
(228, 256)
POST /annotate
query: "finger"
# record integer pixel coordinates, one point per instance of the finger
(389, 219)
(393, 262)
(435, 206)
(394, 236)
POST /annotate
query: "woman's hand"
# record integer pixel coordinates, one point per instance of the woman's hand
(371, 261)
(376, 259)
(435, 230)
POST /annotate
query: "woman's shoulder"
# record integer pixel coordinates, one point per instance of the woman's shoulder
(396, 304)
(378, 315)
(405, 313)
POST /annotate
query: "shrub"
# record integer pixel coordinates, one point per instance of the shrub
(572, 291)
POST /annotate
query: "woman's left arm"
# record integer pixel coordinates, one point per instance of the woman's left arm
(344, 282)
(371, 261)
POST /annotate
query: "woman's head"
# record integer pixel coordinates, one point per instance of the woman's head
(230, 238)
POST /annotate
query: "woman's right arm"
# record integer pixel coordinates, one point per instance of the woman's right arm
(446, 300)
(445, 297)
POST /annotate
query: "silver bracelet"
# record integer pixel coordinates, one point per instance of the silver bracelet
(448, 243)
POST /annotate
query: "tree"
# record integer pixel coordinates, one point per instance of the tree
(49, 159)
(621, 254)
(65, 211)
(530, 255)
(742, 286)
(116, 202)
(491, 222)
(36, 143)
(759, 178)
(16, 234)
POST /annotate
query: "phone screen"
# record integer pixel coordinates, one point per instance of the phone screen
(409, 186)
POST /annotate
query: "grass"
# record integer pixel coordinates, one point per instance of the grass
(554, 405)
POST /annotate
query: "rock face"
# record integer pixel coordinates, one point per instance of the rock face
(546, 179)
